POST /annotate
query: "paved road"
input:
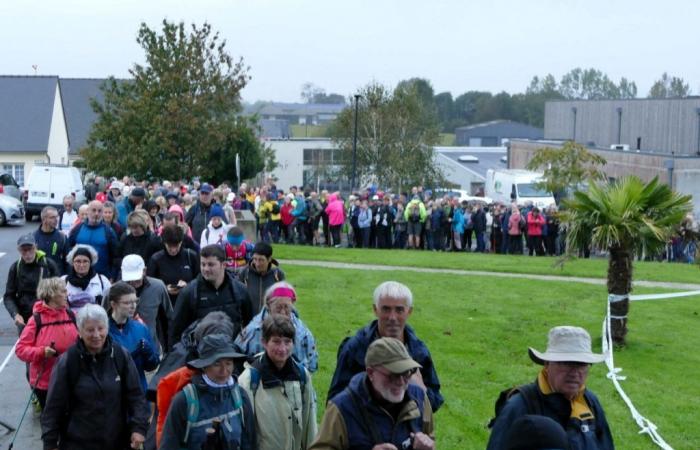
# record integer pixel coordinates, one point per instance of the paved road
(13, 386)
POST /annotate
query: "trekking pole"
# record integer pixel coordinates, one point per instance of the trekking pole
(41, 372)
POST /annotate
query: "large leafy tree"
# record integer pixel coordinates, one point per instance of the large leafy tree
(626, 218)
(397, 130)
(567, 168)
(669, 87)
(178, 115)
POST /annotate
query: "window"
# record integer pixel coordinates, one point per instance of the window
(16, 170)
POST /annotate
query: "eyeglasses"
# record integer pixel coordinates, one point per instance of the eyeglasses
(396, 377)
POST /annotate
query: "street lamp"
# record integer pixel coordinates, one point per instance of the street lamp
(354, 144)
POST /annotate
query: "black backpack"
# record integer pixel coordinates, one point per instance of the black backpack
(530, 394)
(40, 325)
(275, 208)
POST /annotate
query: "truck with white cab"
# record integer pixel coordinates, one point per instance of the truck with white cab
(516, 185)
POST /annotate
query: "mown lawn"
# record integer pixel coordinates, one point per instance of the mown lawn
(478, 330)
(589, 268)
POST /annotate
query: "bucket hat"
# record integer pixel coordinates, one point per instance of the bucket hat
(567, 343)
(212, 348)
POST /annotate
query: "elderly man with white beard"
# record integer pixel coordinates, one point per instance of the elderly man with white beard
(380, 409)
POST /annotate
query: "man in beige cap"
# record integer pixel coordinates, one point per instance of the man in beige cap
(379, 409)
(560, 393)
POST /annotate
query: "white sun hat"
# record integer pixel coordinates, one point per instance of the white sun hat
(567, 343)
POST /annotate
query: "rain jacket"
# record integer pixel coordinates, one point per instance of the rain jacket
(129, 336)
(250, 340)
(284, 405)
(213, 402)
(100, 408)
(57, 328)
(421, 210)
(351, 360)
(22, 281)
(257, 284)
(335, 210)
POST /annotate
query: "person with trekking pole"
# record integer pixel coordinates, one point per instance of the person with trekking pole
(32, 394)
(52, 322)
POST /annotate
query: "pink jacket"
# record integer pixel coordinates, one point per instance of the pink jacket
(335, 210)
(534, 224)
(30, 348)
(514, 224)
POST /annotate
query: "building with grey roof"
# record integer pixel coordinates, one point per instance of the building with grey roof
(495, 133)
(297, 113)
(274, 129)
(76, 94)
(32, 124)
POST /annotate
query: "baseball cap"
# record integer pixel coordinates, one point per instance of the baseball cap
(132, 267)
(27, 239)
(206, 187)
(391, 354)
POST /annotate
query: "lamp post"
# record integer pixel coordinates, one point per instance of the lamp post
(354, 145)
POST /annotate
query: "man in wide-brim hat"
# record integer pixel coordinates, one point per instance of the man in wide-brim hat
(560, 393)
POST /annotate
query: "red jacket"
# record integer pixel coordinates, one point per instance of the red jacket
(535, 224)
(168, 386)
(286, 211)
(30, 347)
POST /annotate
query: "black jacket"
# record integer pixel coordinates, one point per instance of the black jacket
(479, 221)
(257, 284)
(22, 281)
(197, 218)
(145, 246)
(55, 245)
(170, 269)
(200, 297)
(90, 412)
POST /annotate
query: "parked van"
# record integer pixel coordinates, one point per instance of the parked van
(48, 184)
(519, 186)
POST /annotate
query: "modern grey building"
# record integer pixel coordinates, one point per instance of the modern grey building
(495, 133)
(297, 113)
(666, 126)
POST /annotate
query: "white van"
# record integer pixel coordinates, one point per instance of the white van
(48, 184)
(519, 186)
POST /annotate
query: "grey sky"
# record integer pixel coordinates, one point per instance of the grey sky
(342, 45)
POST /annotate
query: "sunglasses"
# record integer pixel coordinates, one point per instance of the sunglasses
(395, 377)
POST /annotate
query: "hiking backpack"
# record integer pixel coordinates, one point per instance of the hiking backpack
(40, 324)
(192, 399)
(529, 393)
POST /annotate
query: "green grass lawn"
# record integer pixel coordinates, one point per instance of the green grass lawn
(590, 268)
(478, 330)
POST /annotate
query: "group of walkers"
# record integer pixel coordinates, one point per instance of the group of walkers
(176, 331)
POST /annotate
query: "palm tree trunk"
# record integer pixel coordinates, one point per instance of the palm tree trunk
(619, 284)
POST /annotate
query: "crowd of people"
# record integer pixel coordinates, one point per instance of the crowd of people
(149, 320)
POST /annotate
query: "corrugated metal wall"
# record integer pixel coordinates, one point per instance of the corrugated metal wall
(664, 126)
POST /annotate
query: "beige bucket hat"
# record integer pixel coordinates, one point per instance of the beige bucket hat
(567, 343)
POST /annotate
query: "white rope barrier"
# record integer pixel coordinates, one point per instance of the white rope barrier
(8, 357)
(645, 425)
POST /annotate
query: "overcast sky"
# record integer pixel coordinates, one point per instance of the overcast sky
(341, 45)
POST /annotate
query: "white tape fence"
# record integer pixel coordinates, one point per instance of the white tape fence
(645, 425)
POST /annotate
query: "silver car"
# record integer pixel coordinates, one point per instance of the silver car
(9, 186)
(11, 211)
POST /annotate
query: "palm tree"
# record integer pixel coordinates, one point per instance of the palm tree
(627, 218)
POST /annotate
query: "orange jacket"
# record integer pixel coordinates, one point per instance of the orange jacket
(168, 386)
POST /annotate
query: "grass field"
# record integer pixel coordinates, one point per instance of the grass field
(478, 330)
(591, 268)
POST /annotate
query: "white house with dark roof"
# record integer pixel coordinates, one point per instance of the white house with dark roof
(43, 119)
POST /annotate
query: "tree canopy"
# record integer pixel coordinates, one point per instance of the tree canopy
(397, 130)
(669, 87)
(178, 115)
(568, 167)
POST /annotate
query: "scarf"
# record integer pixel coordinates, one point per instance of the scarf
(78, 281)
